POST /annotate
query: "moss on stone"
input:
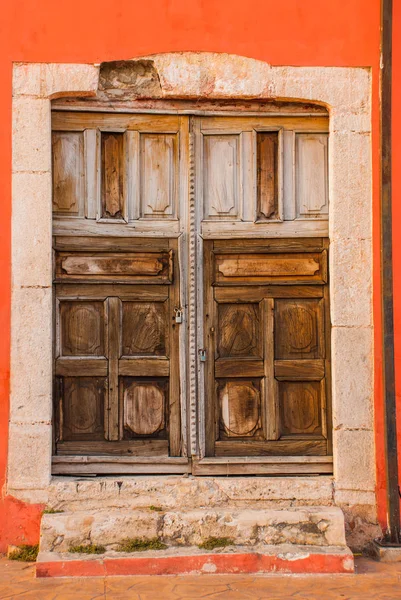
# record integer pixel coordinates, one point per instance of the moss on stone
(156, 508)
(87, 549)
(25, 553)
(51, 511)
(214, 542)
(140, 545)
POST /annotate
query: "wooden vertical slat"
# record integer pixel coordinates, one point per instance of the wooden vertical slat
(209, 337)
(267, 175)
(271, 426)
(91, 137)
(327, 370)
(114, 354)
(174, 353)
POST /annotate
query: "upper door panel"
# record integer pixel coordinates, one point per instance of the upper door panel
(129, 171)
(262, 176)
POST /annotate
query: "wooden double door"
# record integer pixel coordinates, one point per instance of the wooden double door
(189, 335)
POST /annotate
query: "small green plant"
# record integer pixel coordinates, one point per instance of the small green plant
(214, 542)
(156, 508)
(51, 511)
(87, 549)
(25, 553)
(140, 545)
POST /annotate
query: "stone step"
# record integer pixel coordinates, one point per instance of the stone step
(174, 492)
(314, 526)
(284, 558)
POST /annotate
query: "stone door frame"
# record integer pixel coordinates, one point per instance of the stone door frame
(346, 92)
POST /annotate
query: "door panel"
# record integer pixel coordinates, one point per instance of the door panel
(268, 368)
(115, 381)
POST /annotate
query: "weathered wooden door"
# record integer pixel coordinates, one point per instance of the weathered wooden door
(190, 289)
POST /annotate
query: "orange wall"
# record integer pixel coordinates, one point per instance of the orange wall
(282, 33)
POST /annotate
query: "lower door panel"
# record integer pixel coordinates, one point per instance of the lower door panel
(267, 374)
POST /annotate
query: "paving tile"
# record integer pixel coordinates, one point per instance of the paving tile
(373, 581)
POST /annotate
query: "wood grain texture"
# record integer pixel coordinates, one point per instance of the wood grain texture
(144, 407)
(68, 173)
(144, 329)
(311, 168)
(239, 330)
(114, 267)
(159, 172)
(112, 175)
(267, 175)
(83, 400)
(221, 176)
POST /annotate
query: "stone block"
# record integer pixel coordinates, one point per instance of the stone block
(354, 459)
(350, 182)
(29, 456)
(106, 528)
(69, 79)
(31, 134)
(31, 229)
(351, 287)
(352, 377)
(27, 79)
(314, 526)
(173, 492)
(31, 356)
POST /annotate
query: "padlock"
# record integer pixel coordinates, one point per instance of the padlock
(202, 354)
(178, 315)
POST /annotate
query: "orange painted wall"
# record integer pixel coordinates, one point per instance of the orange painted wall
(282, 33)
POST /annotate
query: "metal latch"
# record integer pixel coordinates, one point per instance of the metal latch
(178, 315)
(202, 354)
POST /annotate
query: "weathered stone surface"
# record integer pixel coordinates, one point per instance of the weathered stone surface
(69, 80)
(31, 363)
(31, 135)
(353, 388)
(27, 79)
(351, 185)
(354, 459)
(32, 228)
(351, 283)
(319, 526)
(29, 456)
(60, 531)
(177, 492)
(129, 78)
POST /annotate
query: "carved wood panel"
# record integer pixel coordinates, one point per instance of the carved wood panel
(311, 175)
(221, 176)
(300, 408)
(83, 404)
(68, 173)
(298, 326)
(82, 328)
(145, 407)
(240, 408)
(239, 330)
(159, 175)
(144, 328)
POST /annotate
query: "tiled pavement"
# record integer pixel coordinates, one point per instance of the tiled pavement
(372, 581)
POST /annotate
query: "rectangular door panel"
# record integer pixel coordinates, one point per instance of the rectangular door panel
(267, 376)
(115, 383)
